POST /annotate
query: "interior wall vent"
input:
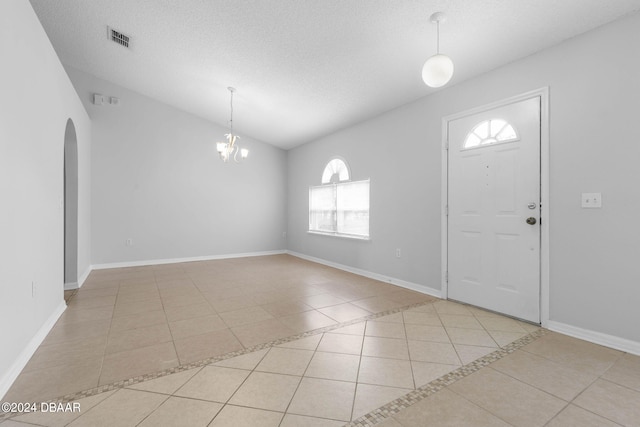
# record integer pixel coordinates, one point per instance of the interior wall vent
(118, 37)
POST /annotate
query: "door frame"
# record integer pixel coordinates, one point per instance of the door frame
(545, 208)
(70, 207)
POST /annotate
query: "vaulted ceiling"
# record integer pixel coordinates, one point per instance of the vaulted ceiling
(303, 68)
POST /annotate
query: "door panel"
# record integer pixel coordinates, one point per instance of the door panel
(493, 254)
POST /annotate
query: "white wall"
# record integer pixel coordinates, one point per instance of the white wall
(157, 179)
(37, 99)
(594, 107)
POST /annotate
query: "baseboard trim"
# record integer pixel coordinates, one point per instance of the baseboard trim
(394, 281)
(177, 260)
(21, 361)
(77, 285)
(606, 340)
(84, 276)
(71, 286)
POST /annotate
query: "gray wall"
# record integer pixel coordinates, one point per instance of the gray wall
(594, 107)
(157, 179)
(404, 171)
(37, 100)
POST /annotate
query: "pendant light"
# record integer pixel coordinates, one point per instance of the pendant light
(230, 149)
(438, 69)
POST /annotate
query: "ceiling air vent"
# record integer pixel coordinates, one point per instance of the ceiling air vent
(118, 37)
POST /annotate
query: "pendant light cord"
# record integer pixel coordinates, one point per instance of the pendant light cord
(231, 121)
(438, 37)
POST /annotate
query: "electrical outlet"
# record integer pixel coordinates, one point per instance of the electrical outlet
(398, 253)
(284, 234)
(591, 200)
(129, 242)
(34, 288)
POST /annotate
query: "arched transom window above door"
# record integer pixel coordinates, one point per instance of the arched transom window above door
(488, 132)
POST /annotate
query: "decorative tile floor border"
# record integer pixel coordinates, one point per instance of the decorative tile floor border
(366, 420)
(378, 415)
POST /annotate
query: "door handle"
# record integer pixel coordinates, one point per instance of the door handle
(531, 220)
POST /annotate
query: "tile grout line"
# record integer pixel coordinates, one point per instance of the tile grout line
(446, 331)
(406, 339)
(360, 356)
(286, 411)
(164, 311)
(596, 379)
(483, 408)
(106, 346)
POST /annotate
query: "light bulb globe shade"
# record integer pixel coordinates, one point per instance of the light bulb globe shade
(244, 153)
(438, 70)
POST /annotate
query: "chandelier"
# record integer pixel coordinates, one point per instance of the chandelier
(438, 69)
(229, 149)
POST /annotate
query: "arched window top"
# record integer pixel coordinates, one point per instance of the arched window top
(489, 132)
(335, 171)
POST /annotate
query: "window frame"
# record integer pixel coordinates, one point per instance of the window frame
(335, 210)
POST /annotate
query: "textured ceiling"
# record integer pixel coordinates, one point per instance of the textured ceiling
(303, 68)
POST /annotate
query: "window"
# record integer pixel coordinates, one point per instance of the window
(335, 171)
(339, 206)
(489, 132)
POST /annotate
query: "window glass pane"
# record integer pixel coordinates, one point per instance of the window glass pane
(472, 141)
(326, 175)
(353, 208)
(496, 126)
(507, 133)
(482, 130)
(322, 208)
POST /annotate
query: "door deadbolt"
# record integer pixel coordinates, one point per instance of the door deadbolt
(531, 220)
(532, 205)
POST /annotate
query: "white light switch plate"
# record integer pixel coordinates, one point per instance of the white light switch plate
(591, 200)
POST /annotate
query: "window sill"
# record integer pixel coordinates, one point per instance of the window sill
(341, 236)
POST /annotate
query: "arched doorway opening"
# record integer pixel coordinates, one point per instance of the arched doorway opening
(70, 207)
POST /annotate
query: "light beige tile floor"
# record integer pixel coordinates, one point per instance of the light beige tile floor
(332, 377)
(328, 378)
(128, 322)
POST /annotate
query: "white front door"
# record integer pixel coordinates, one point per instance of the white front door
(494, 209)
